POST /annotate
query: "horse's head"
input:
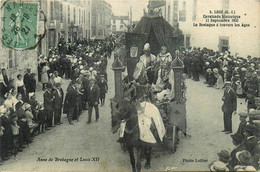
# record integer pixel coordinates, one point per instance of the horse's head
(121, 109)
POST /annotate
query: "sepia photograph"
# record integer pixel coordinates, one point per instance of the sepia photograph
(129, 85)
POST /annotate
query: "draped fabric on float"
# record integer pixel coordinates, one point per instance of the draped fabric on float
(156, 31)
(162, 31)
(133, 40)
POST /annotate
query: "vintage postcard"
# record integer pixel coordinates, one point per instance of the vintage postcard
(129, 85)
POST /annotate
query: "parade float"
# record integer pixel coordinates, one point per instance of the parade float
(156, 31)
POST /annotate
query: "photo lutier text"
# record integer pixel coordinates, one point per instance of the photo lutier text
(194, 160)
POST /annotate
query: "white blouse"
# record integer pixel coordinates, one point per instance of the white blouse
(9, 103)
(1, 78)
(19, 83)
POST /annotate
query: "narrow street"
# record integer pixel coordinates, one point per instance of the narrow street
(85, 142)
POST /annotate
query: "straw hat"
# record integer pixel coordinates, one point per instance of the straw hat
(218, 166)
(215, 70)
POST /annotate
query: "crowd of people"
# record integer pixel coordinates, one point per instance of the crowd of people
(239, 77)
(22, 116)
(217, 68)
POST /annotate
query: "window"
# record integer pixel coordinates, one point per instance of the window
(182, 16)
(68, 14)
(52, 10)
(74, 17)
(84, 16)
(113, 28)
(93, 31)
(10, 59)
(184, 5)
(182, 13)
(225, 4)
(223, 43)
(114, 21)
(100, 32)
(169, 12)
(187, 41)
(98, 18)
(79, 16)
(194, 11)
(61, 13)
(175, 11)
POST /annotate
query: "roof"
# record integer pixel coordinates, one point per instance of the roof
(156, 3)
(120, 17)
(158, 29)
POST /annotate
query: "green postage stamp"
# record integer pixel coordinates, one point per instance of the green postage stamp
(19, 29)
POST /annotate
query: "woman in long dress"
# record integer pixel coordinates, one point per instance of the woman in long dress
(219, 84)
(45, 78)
(19, 85)
(3, 85)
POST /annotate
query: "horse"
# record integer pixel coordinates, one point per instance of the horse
(128, 112)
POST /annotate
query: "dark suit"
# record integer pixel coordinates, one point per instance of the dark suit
(57, 104)
(7, 136)
(71, 101)
(27, 84)
(252, 146)
(48, 107)
(242, 128)
(228, 107)
(93, 97)
(233, 162)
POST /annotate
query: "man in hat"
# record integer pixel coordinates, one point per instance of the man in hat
(93, 99)
(57, 102)
(245, 161)
(103, 89)
(71, 99)
(27, 81)
(257, 103)
(237, 140)
(252, 144)
(48, 105)
(229, 107)
(242, 125)
(224, 158)
(146, 62)
(218, 166)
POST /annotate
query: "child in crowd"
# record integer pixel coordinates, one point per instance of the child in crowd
(15, 131)
(41, 119)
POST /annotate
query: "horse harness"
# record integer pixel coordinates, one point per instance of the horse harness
(133, 129)
(136, 125)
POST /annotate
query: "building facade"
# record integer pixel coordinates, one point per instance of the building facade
(100, 16)
(120, 24)
(66, 19)
(70, 20)
(191, 17)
